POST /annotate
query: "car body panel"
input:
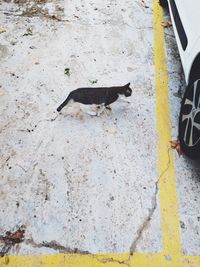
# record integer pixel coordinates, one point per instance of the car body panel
(189, 12)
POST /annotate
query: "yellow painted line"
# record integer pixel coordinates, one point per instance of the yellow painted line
(190, 261)
(171, 255)
(100, 260)
(168, 195)
(78, 260)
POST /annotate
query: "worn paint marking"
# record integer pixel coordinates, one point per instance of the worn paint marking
(168, 195)
(171, 255)
(106, 260)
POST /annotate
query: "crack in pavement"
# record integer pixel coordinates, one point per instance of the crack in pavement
(111, 259)
(52, 245)
(148, 219)
(63, 249)
(36, 125)
(41, 15)
(56, 246)
(35, 13)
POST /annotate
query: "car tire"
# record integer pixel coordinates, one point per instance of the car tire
(189, 121)
(163, 3)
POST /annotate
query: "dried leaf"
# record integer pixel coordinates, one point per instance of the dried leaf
(175, 144)
(13, 238)
(166, 24)
(17, 236)
(10, 239)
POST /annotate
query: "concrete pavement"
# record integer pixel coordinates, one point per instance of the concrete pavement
(75, 182)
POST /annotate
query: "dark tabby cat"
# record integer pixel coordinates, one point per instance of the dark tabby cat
(98, 95)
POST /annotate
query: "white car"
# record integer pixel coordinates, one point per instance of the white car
(185, 16)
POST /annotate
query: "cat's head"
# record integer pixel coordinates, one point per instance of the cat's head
(127, 91)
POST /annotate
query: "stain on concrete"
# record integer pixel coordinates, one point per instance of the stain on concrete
(39, 8)
(77, 182)
(10, 239)
(2, 92)
(4, 52)
(55, 246)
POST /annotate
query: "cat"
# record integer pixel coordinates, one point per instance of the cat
(97, 95)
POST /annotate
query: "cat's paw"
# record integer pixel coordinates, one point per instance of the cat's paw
(108, 108)
(91, 113)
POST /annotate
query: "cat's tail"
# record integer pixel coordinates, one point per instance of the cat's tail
(64, 103)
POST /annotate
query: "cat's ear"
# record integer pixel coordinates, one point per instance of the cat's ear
(127, 85)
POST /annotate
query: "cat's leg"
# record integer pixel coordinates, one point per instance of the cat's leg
(91, 113)
(95, 110)
(111, 99)
(100, 109)
(91, 110)
(108, 107)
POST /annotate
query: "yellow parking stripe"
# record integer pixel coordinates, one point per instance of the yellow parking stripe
(190, 261)
(78, 260)
(168, 195)
(100, 260)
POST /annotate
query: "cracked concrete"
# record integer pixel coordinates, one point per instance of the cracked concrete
(55, 246)
(10, 239)
(107, 260)
(146, 223)
(148, 219)
(81, 184)
(78, 190)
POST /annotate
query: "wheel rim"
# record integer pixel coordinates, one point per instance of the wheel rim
(190, 118)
